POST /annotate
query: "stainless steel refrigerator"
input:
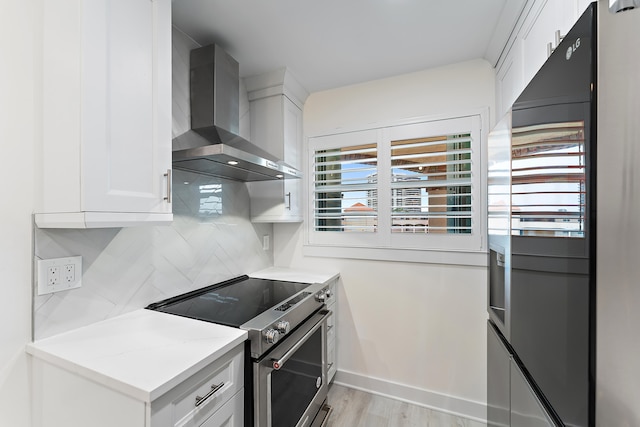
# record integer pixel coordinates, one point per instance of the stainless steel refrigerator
(563, 334)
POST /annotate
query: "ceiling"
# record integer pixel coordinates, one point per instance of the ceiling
(332, 43)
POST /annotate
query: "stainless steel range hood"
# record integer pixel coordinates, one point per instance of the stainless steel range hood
(213, 146)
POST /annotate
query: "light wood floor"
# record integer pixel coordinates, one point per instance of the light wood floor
(354, 408)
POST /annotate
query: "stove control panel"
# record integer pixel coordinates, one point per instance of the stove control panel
(293, 301)
(273, 326)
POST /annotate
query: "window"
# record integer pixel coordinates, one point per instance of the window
(410, 186)
(346, 189)
(431, 184)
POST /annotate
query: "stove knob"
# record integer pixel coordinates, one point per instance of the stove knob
(271, 336)
(283, 327)
(328, 293)
(321, 296)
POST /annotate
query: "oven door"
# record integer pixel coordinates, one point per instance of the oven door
(290, 382)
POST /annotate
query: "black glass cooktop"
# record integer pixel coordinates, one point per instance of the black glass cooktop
(230, 303)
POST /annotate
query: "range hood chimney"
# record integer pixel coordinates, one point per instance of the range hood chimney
(213, 146)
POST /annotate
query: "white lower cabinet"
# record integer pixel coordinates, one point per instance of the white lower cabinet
(70, 399)
(230, 415)
(331, 331)
(206, 398)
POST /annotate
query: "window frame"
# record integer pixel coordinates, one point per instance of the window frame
(384, 245)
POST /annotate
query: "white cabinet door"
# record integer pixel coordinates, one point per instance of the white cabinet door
(106, 113)
(567, 12)
(230, 415)
(276, 127)
(293, 156)
(539, 29)
(126, 132)
(509, 78)
(582, 6)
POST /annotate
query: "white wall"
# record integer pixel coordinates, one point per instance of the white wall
(412, 330)
(18, 130)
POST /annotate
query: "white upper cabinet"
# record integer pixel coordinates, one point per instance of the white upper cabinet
(582, 6)
(106, 137)
(538, 31)
(546, 20)
(535, 33)
(509, 78)
(276, 101)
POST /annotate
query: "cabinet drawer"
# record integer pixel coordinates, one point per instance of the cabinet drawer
(331, 373)
(331, 360)
(231, 414)
(331, 329)
(332, 295)
(331, 353)
(331, 356)
(209, 389)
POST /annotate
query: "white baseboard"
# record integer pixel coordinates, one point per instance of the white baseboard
(472, 410)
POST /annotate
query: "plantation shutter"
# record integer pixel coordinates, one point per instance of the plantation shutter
(345, 189)
(431, 184)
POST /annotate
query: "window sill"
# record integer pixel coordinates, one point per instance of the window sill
(467, 258)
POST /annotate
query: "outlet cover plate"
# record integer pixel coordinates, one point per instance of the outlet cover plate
(59, 274)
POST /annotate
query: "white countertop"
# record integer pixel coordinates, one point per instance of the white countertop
(294, 275)
(143, 353)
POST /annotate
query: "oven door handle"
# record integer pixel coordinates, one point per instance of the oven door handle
(278, 363)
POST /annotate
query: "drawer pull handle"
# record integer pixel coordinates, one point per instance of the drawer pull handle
(214, 389)
(288, 196)
(328, 409)
(168, 175)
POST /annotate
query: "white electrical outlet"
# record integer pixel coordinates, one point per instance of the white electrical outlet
(53, 275)
(69, 273)
(265, 242)
(59, 274)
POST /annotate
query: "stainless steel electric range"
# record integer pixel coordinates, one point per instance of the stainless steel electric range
(286, 368)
